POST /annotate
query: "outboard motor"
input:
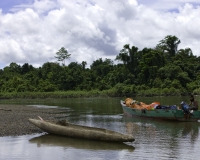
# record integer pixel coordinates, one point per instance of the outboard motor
(185, 107)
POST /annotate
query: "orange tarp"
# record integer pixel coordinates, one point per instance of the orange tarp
(140, 105)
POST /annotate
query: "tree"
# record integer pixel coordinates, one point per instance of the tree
(129, 56)
(62, 54)
(26, 68)
(14, 67)
(169, 44)
(84, 63)
(123, 56)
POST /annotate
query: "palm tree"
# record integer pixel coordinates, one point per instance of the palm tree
(170, 44)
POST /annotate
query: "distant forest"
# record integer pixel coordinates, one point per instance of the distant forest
(160, 71)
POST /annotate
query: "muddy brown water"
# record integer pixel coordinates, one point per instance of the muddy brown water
(154, 139)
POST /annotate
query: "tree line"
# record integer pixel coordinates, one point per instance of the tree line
(162, 70)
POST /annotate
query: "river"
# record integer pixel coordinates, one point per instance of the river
(154, 139)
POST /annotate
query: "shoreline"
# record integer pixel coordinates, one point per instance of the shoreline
(14, 119)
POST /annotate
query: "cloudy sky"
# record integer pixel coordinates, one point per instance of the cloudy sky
(32, 31)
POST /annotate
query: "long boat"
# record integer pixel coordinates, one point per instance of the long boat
(78, 131)
(164, 114)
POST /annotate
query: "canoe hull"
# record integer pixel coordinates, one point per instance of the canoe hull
(165, 114)
(83, 132)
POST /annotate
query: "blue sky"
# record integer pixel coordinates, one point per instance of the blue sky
(6, 5)
(32, 31)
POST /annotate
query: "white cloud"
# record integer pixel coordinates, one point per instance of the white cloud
(92, 29)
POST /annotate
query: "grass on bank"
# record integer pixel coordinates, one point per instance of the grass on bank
(115, 92)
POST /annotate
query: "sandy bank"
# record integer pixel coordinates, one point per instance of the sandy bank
(14, 119)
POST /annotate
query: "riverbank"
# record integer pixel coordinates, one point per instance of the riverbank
(93, 93)
(14, 119)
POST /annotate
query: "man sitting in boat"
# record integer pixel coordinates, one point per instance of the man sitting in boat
(193, 103)
(188, 109)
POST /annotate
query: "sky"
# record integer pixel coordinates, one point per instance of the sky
(32, 31)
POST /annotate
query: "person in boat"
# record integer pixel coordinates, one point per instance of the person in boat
(185, 107)
(193, 103)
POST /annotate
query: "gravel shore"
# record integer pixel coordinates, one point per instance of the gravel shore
(14, 119)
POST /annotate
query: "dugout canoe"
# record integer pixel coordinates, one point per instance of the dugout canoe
(164, 114)
(78, 131)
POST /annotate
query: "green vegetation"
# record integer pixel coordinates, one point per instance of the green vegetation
(160, 71)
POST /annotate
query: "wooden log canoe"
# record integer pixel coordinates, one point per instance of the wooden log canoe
(83, 132)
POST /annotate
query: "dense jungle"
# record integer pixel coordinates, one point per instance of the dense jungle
(160, 71)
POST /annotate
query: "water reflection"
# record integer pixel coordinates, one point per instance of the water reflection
(187, 128)
(61, 141)
(191, 130)
(169, 138)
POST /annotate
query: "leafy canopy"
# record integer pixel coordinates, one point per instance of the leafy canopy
(62, 54)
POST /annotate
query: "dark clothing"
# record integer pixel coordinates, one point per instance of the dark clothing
(193, 105)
